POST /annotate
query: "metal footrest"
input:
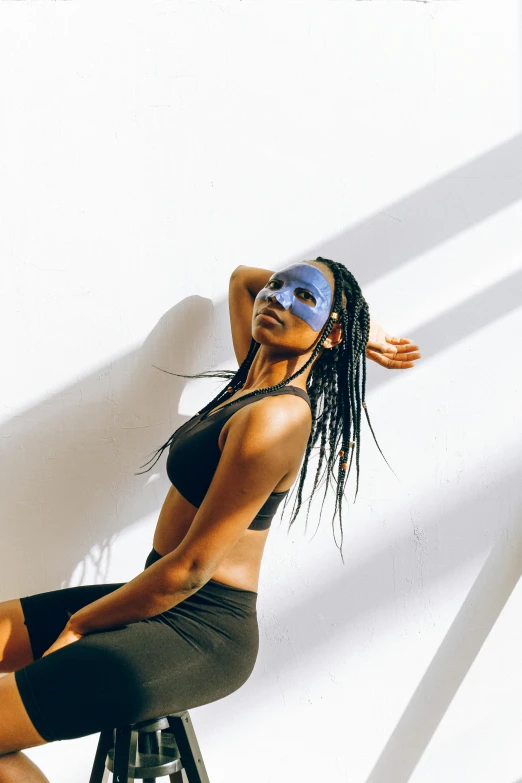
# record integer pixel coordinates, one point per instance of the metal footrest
(150, 749)
(157, 754)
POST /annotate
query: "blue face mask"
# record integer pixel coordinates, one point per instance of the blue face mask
(292, 288)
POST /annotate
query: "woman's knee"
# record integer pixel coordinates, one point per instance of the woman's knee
(89, 685)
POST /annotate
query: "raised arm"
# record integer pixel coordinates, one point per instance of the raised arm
(393, 353)
(245, 283)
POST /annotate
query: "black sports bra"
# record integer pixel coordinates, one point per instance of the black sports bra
(194, 454)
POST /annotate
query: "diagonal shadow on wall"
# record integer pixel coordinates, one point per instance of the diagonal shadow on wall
(428, 217)
(322, 619)
(95, 433)
(461, 645)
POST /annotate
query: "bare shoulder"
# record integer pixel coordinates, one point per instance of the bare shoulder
(284, 421)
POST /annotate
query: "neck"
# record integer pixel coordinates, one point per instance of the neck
(267, 371)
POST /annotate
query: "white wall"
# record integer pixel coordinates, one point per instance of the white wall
(146, 150)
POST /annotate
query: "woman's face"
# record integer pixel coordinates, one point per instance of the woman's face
(300, 298)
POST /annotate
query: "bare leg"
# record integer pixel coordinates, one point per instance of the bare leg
(18, 768)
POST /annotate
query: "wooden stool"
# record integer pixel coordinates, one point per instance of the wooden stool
(148, 750)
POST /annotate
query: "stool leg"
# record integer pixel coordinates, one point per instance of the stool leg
(189, 751)
(125, 754)
(99, 767)
(176, 777)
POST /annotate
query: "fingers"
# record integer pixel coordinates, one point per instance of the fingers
(409, 357)
(400, 344)
(402, 353)
(407, 348)
(405, 362)
(403, 342)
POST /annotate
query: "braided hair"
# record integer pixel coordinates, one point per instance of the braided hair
(336, 387)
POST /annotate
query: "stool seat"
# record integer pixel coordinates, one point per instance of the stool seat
(150, 749)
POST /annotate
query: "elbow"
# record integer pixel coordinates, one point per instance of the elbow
(175, 577)
(237, 271)
(198, 574)
(195, 580)
(188, 570)
(188, 581)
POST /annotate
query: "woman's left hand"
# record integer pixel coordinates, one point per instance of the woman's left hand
(394, 353)
(66, 637)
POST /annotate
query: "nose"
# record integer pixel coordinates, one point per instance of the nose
(281, 299)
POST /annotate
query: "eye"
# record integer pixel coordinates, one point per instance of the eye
(307, 295)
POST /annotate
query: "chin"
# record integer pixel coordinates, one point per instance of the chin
(265, 336)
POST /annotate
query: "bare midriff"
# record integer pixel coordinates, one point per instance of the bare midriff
(242, 566)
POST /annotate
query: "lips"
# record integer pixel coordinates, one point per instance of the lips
(271, 313)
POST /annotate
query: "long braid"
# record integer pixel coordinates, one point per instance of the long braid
(333, 388)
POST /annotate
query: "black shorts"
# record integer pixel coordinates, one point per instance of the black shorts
(201, 650)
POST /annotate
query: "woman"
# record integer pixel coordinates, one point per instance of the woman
(184, 632)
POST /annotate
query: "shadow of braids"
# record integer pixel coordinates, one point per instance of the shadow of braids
(336, 387)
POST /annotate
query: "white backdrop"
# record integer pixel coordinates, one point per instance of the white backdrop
(147, 149)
